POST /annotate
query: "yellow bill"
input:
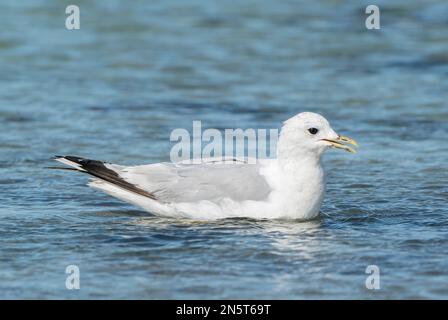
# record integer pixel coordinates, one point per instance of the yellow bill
(339, 143)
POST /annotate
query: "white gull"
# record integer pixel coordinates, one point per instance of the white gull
(292, 186)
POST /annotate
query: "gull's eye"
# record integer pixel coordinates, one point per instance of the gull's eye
(313, 130)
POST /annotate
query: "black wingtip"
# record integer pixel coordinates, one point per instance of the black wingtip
(75, 159)
(61, 168)
(99, 170)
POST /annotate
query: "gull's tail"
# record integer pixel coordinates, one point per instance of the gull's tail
(100, 170)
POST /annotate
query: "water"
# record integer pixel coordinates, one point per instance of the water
(115, 89)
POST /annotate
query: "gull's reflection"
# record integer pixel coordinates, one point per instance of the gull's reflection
(293, 238)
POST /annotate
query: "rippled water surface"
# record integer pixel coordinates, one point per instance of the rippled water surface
(115, 89)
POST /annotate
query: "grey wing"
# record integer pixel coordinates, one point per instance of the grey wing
(194, 182)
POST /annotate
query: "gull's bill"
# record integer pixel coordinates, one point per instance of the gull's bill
(338, 143)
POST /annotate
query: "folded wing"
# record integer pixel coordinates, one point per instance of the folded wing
(194, 182)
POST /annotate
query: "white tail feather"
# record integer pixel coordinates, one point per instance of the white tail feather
(70, 163)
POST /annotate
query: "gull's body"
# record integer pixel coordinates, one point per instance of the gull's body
(260, 190)
(291, 186)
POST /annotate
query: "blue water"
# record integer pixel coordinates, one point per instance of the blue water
(115, 89)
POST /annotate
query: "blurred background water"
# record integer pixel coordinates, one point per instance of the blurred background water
(115, 89)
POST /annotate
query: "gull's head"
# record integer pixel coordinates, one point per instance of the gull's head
(310, 132)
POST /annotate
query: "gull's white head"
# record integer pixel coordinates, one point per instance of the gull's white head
(310, 134)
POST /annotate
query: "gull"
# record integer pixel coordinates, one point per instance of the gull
(290, 186)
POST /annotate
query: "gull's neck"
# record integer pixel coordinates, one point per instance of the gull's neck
(300, 180)
(292, 158)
